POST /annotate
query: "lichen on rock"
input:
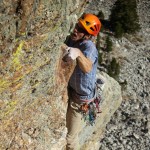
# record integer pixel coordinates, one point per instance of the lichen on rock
(33, 77)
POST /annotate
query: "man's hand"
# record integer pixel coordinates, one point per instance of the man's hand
(73, 53)
(65, 49)
(70, 53)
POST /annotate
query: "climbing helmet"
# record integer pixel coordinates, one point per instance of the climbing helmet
(90, 23)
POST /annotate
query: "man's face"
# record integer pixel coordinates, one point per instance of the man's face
(78, 33)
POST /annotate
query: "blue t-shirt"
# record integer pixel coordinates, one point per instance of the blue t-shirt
(84, 83)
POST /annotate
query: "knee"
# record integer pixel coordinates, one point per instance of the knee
(72, 142)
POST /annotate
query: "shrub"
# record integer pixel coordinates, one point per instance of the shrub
(99, 48)
(98, 42)
(118, 29)
(124, 18)
(123, 85)
(108, 44)
(100, 57)
(100, 15)
(114, 69)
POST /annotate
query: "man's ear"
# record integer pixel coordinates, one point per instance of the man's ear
(88, 36)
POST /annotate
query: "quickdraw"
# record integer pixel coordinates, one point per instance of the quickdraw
(89, 111)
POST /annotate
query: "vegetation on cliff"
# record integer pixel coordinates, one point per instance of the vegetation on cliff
(124, 18)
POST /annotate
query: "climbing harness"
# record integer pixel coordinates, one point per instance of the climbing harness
(89, 110)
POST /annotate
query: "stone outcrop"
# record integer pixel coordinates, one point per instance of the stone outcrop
(90, 136)
(129, 127)
(33, 77)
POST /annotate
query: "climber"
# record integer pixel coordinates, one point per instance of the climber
(81, 86)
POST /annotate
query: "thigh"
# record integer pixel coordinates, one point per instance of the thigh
(74, 118)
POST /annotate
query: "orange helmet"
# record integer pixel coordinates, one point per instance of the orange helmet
(90, 23)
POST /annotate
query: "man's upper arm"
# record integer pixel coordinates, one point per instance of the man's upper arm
(91, 53)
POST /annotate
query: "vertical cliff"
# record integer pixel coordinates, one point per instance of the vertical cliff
(33, 78)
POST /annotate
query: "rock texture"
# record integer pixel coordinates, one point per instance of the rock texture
(129, 128)
(33, 77)
(90, 136)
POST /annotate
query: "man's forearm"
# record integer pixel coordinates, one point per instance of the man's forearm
(84, 63)
(74, 53)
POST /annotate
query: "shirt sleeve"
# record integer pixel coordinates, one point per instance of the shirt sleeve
(90, 51)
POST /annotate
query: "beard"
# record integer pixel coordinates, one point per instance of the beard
(74, 36)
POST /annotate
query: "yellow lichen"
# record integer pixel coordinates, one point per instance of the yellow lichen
(4, 84)
(22, 33)
(9, 108)
(16, 56)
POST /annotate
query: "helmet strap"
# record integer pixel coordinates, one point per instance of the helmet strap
(86, 38)
(83, 38)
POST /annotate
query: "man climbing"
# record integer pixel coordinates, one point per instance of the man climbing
(81, 86)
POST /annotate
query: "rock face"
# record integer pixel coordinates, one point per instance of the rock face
(33, 77)
(111, 100)
(129, 128)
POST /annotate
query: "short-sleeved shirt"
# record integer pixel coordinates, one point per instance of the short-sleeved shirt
(84, 83)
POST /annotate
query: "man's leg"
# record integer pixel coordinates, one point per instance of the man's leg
(74, 125)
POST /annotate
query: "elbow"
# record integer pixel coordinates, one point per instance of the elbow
(89, 66)
(87, 69)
